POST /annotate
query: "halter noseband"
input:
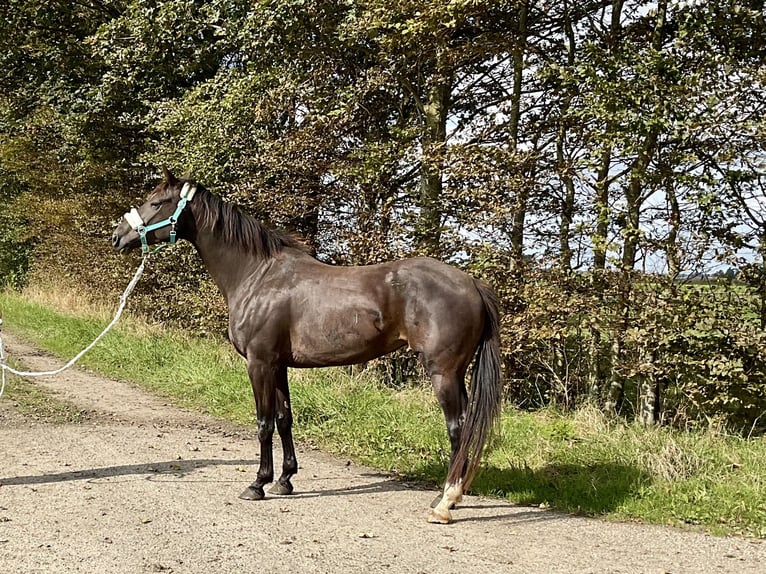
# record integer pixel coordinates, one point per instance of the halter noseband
(134, 219)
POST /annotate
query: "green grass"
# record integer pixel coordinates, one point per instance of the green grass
(581, 463)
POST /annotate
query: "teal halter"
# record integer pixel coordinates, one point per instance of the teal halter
(135, 221)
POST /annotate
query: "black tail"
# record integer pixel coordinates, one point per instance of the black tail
(486, 395)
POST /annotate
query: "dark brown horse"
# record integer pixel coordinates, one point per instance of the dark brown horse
(287, 309)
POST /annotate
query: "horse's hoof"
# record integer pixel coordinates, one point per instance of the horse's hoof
(439, 517)
(253, 493)
(281, 489)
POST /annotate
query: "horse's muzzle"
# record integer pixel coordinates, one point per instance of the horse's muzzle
(119, 243)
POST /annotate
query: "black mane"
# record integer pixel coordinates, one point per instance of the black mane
(228, 223)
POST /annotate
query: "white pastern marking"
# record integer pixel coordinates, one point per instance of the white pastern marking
(453, 494)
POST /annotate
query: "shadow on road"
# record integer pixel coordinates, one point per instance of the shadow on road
(378, 483)
(582, 489)
(176, 468)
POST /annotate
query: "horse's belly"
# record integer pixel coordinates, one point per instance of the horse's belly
(353, 338)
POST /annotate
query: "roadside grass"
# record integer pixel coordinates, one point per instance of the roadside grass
(582, 463)
(36, 403)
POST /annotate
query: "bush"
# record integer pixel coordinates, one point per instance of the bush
(15, 243)
(712, 361)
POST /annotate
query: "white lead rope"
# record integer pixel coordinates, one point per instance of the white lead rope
(123, 301)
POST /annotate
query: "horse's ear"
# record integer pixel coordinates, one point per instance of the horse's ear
(186, 175)
(170, 179)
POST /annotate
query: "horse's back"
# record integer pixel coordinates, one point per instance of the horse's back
(422, 290)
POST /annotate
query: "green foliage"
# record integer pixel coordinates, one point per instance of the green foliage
(700, 345)
(15, 244)
(711, 357)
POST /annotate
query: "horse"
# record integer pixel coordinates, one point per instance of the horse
(288, 309)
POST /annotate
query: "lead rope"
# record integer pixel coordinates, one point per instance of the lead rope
(123, 301)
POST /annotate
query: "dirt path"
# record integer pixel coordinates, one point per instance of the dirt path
(141, 486)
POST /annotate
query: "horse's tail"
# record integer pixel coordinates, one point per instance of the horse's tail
(486, 395)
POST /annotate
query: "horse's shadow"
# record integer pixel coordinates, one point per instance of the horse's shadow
(589, 489)
(584, 489)
(593, 489)
(374, 483)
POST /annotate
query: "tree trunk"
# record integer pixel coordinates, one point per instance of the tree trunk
(649, 403)
(762, 278)
(634, 194)
(648, 383)
(671, 249)
(435, 111)
(520, 207)
(602, 209)
(601, 364)
(564, 169)
(602, 176)
(598, 373)
(631, 231)
(634, 198)
(567, 212)
(616, 391)
(595, 369)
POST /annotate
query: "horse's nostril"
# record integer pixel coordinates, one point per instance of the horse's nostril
(115, 240)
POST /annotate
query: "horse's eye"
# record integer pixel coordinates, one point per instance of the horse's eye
(156, 204)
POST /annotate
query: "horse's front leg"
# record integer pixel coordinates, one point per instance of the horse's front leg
(263, 377)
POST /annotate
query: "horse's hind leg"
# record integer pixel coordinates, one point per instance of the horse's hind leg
(283, 485)
(453, 399)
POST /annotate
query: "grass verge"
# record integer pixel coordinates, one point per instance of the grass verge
(38, 404)
(581, 463)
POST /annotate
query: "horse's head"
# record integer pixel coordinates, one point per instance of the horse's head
(158, 219)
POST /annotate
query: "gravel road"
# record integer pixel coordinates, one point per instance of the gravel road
(137, 485)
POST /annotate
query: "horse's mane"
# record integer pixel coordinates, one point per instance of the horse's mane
(228, 223)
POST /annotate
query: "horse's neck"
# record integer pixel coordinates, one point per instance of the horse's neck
(228, 265)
